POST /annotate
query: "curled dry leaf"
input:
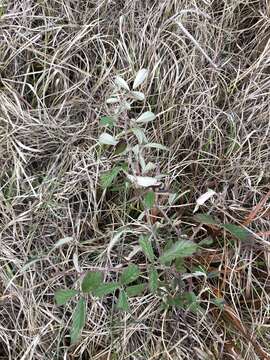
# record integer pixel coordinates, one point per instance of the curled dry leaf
(143, 181)
(203, 198)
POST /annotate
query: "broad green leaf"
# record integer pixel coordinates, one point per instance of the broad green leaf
(121, 82)
(153, 280)
(62, 296)
(78, 321)
(107, 139)
(130, 274)
(105, 289)
(156, 146)
(180, 249)
(149, 199)
(137, 95)
(135, 290)
(122, 303)
(108, 177)
(107, 121)
(205, 219)
(237, 231)
(147, 248)
(146, 117)
(91, 281)
(140, 78)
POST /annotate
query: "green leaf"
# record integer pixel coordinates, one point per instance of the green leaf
(237, 231)
(140, 135)
(156, 146)
(140, 77)
(205, 219)
(107, 139)
(137, 95)
(119, 81)
(105, 289)
(107, 121)
(108, 177)
(147, 248)
(146, 117)
(206, 241)
(219, 302)
(120, 147)
(135, 290)
(63, 296)
(180, 265)
(180, 249)
(78, 321)
(91, 281)
(175, 301)
(149, 199)
(191, 301)
(122, 303)
(130, 274)
(153, 280)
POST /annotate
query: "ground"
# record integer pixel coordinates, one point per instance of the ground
(208, 84)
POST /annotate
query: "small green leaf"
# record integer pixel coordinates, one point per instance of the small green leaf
(137, 95)
(78, 321)
(157, 146)
(205, 219)
(146, 117)
(180, 249)
(108, 177)
(147, 248)
(213, 274)
(219, 302)
(140, 135)
(153, 280)
(130, 274)
(107, 121)
(237, 231)
(149, 199)
(63, 296)
(206, 241)
(105, 289)
(140, 77)
(120, 147)
(107, 139)
(175, 301)
(119, 81)
(191, 301)
(91, 281)
(122, 303)
(135, 290)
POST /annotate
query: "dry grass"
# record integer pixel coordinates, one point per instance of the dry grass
(209, 81)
